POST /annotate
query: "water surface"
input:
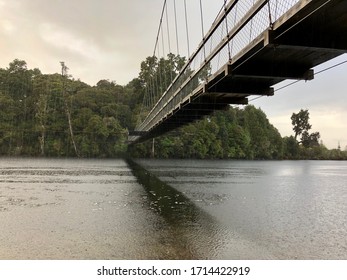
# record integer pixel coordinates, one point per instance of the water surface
(113, 209)
(282, 209)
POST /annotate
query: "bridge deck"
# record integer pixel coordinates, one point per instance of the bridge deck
(310, 33)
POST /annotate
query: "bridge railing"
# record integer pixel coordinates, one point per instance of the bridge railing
(236, 26)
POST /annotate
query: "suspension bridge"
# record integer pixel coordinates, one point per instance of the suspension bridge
(251, 46)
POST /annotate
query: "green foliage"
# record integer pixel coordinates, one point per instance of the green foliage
(310, 140)
(291, 148)
(308, 147)
(34, 122)
(301, 126)
(235, 133)
(33, 119)
(300, 122)
(156, 75)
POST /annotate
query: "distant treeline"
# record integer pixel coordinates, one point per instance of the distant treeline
(238, 133)
(57, 116)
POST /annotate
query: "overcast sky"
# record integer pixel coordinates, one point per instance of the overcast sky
(108, 39)
(324, 97)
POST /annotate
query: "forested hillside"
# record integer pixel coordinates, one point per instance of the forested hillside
(236, 133)
(57, 116)
(35, 110)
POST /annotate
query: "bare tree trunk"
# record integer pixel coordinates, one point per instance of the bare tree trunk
(42, 139)
(42, 89)
(67, 111)
(42, 118)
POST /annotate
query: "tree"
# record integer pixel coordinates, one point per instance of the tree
(265, 140)
(291, 148)
(310, 140)
(41, 92)
(157, 74)
(106, 84)
(301, 126)
(300, 122)
(64, 75)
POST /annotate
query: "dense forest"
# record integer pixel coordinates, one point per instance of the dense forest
(57, 116)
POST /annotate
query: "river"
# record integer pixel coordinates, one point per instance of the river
(172, 209)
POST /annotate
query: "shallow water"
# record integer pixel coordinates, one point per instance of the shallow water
(113, 209)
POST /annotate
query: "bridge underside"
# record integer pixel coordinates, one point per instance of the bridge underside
(309, 34)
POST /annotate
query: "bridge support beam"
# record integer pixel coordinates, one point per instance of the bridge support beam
(284, 73)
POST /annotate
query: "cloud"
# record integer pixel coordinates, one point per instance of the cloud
(105, 37)
(108, 39)
(7, 27)
(56, 37)
(98, 39)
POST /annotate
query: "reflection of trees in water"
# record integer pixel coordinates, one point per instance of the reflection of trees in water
(192, 233)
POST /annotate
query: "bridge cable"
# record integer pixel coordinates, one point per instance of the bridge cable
(151, 86)
(151, 95)
(251, 27)
(168, 29)
(270, 17)
(162, 42)
(331, 67)
(202, 28)
(186, 18)
(160, 85)
(234, 24)
(154, 54)
(169, 43)
(177, 42)
(227, 29)
(159, 28)
(163, 70)
(297, 81)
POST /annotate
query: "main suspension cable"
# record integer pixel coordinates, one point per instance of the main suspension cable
(159, 28)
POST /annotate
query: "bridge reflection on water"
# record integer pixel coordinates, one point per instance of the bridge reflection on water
(192, 233)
